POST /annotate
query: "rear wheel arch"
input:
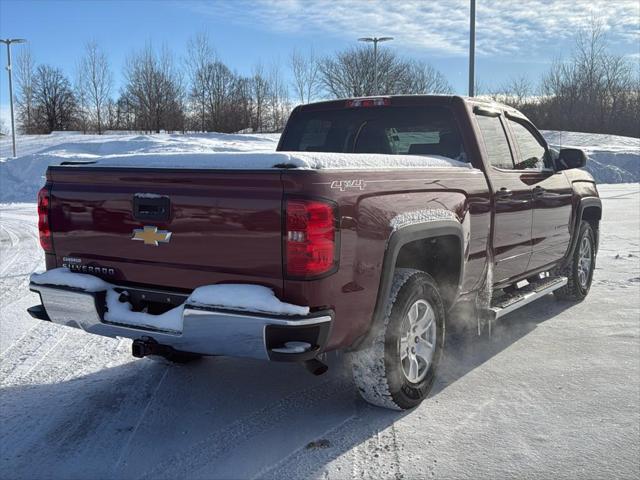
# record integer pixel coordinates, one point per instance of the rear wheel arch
(439, 235)
(439, 256)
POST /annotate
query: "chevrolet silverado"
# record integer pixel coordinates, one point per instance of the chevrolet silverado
(375, 222)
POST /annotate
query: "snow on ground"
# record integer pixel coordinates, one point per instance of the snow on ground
(554, 393)
(613, 159)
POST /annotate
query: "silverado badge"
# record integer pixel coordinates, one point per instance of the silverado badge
(151, 235)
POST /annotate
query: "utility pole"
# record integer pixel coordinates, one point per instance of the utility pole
(472, 48)
(8, 42)
(375, 41)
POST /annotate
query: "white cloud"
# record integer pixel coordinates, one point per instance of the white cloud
(437, 27)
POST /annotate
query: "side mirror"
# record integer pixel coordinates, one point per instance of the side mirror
(569, 158)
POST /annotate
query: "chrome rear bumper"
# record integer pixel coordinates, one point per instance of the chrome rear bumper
(205, 330)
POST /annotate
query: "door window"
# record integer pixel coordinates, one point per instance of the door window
(533, 153)
(495, 141)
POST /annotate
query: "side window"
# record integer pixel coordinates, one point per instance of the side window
(495, 141)
(532, 152)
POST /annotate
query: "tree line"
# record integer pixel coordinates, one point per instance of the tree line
(592, 91)
(200, 92)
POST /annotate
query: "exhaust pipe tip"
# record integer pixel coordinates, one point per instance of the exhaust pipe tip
(316, 367)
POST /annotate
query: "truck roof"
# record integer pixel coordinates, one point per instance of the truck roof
(406, 100)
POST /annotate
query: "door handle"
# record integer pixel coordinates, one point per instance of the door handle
(504, 193)
(538, 192)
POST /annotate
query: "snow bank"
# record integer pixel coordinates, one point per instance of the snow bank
(249, 298)
(611, 158)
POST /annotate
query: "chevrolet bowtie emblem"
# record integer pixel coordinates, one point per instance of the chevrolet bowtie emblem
(151, 235)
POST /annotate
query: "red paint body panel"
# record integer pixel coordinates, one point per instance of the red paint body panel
(365, 218)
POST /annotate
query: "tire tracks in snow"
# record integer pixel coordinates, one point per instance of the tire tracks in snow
(364, 447)
(24, 355)
(231, 438)
(20, 256)
(125, 448)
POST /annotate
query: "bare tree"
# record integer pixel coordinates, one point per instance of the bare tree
(306, 75)
(259, 94)
(517, 91)
(351, 73)
(54, 102)
(424, 78)
(83, 109)
(278, 98)
(220, 86)
(153, 91)
(25, 71)
(594, 91)
(200, 55)
(94, 82)
(219, 99)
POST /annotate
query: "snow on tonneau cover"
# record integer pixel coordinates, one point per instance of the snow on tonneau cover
(270, 160)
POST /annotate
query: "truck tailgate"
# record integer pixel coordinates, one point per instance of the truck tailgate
(224, 225)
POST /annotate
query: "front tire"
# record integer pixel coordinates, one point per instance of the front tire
(579, 271)
(397, 369)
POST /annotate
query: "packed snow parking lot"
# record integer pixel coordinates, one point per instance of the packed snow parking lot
(553, 393)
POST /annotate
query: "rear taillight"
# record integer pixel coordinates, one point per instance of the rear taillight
(311, 238)
(44, 201)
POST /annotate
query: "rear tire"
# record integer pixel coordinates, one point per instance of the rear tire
(397, 369)
(579, 271)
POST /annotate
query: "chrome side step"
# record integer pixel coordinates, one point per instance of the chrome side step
(521, 297)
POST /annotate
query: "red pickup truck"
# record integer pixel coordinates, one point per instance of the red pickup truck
(375, 222)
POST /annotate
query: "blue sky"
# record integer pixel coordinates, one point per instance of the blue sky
(514, 37)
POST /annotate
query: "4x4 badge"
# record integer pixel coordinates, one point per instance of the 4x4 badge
(151, 235)
(343, 185)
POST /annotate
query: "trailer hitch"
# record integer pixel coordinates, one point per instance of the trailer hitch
(144, 346)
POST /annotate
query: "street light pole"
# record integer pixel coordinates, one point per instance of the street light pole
(375, 41)
(472, 48)
(8, 42)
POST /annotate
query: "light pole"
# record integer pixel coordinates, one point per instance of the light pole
(375, 41)
(8, 42)
(472, 48)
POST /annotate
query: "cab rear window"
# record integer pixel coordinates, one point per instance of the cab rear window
(387, 130)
